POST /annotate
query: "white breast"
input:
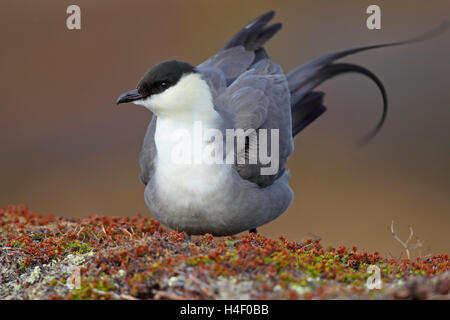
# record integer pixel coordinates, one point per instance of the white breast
(180, 171)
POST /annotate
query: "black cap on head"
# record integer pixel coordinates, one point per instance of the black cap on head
(157, 79)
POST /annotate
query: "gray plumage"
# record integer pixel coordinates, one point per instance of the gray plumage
(250, 91)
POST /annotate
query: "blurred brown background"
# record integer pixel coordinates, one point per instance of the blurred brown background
(67, 149)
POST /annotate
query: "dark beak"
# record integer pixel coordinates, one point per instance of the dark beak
(130, 96)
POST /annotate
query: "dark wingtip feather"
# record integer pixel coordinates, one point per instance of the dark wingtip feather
(254, 35)
(260, 38)
(269, 32)
(261, 20)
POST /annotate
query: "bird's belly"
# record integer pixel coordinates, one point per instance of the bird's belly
(190, 197)
(214, 199)
(193, 182)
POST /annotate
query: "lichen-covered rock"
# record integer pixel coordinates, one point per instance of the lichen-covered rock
(44, 257)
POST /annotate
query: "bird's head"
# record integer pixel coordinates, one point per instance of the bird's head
(169, 88)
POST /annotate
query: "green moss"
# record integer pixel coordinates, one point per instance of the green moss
(86, 290)
(77, 247)
(22, 268)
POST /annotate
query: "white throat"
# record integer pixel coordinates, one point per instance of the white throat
(188, 100)
(179, 110)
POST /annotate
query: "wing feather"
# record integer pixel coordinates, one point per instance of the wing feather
(148, 152)
(259, 99)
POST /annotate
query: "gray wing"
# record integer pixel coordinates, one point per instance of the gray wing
(259, 99)
(148, 152)
(251, 92)
(225, 66)
(243, 50)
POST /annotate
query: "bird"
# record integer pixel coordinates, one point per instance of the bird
(239, 87)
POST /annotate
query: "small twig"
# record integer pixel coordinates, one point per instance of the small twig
(205, 288)
(199, 282)
(404, 244)
(104, 231)
(164, 295)
(99, 292)
(127, 232)
(411, 233)
(110, 294)
(78, 233)
(95, 236)
(9, 248)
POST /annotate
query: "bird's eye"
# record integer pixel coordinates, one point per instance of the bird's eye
(160, 86)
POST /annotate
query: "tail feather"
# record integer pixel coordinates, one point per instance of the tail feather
(329, 58)
(301, 95)
(305, 78)
(306, 111)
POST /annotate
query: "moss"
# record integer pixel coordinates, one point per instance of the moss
(92, 289)
(136, 257)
